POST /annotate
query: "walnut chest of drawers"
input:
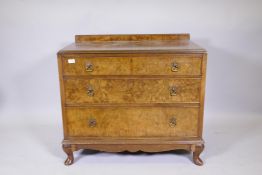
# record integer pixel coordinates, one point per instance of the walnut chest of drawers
(132, 93)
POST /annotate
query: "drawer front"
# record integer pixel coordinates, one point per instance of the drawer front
(150, 65)
(95, 91)
(132, 122)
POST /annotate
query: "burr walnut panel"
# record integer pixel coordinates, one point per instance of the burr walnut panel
(77, 91)
(177, 64)
(132, 122)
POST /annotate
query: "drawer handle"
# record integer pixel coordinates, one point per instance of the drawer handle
(174, 67)
(89, 67)
(91, 122)
(172, 122)
(173, 91)
(90, 91)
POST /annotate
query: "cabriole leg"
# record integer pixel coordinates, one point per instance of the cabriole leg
(70, 156)
(198, 150)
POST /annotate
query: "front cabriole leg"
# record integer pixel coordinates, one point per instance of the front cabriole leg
(198, 150)
(70, 156)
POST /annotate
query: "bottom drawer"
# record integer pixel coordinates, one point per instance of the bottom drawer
(132, 121)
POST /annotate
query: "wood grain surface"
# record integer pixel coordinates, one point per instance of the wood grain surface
(131, 37)
(143, 65)
(132, 122)
(131, 91)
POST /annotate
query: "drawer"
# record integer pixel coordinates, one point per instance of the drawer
(132, 121)
(95, 91)
(150, 65)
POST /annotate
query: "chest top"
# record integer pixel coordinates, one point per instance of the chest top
(148, 43)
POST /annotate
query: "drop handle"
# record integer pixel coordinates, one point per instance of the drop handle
(172, 122)
(89, 67)
(173, 91)
(92, 122)
(90, 91)
(174, 67)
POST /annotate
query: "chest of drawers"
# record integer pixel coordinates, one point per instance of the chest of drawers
(132, 93)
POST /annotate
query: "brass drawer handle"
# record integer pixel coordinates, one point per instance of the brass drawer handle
(172, 122)
(91, 122)
(89, 67)
(174, 67)
(173, 90)
(90, 91)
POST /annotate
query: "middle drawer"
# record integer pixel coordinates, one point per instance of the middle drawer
(101, 91)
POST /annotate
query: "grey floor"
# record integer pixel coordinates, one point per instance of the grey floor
(233, 146)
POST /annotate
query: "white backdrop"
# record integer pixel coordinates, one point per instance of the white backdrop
(32, 31)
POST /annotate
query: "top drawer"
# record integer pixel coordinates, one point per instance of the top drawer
(177, 64)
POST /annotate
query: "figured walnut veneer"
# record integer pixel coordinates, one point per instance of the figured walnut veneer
(132, 93)
(132, 122)
(131, 90)
(148, 65)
